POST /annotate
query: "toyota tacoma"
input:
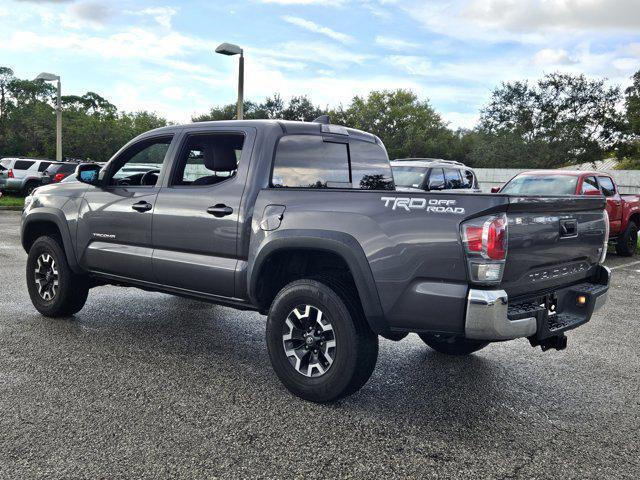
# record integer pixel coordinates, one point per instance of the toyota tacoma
(302, 223)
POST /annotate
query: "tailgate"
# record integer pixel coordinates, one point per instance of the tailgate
(552, 241)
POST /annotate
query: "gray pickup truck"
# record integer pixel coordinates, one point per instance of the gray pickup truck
(301, 222)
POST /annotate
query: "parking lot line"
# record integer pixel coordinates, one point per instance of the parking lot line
(626, 265)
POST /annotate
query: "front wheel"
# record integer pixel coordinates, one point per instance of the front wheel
(627, 244)
(319, 342)
(54, 289)
(452, 345)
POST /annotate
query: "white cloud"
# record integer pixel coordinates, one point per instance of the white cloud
(95, 12)
(529, 21)
(162, 15)
(393, 43)
(553, 56)
(314, 27)
(310, 52)
(411, 64)
(305, 2)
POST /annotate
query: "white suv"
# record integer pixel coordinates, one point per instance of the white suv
(22, 175)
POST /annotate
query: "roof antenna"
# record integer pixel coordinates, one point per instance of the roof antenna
(323, 119)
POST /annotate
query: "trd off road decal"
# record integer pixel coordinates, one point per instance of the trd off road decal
(433, 205)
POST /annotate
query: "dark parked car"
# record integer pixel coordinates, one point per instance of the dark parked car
(301, 222)
(57, 172)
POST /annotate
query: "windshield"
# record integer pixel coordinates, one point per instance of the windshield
(541, 185)
(408, 176)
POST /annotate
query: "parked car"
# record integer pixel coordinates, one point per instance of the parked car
(22, 175)
(301, 222)
(433, 174)
(623, 210)
(56, 172)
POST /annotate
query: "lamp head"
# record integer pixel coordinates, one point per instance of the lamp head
(229, 49)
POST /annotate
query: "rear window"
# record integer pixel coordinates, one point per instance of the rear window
(43, 166)
(23, 164)
(607, 186)
(541, 185)
(468, 179)
(307, 161)
(4, 164)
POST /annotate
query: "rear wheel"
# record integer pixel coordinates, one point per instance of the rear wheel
(319, 342)
(627, 243)
(452, 345)
(29, 188)
(54, 289)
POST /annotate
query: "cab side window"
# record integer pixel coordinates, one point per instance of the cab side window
(607, 186)
(452, 178)
(208, 159)
(370, 166)
(436, 179)
(589, 184)
(140, 164)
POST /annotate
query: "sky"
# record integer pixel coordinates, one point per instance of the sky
(158, 55)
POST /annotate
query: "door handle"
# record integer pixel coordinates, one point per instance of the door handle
(220, 210)
(142, 206)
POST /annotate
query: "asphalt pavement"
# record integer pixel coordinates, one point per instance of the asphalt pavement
(145, 385)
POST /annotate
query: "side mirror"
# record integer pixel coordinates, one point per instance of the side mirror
(592, 193)
(88, 173)
(495, 189)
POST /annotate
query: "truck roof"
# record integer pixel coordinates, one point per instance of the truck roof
(425, 162)
(287, 126)
(571, 173)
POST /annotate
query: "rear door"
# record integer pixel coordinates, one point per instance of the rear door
(195, 222)
(552, 241)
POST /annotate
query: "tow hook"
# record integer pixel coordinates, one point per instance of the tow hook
(559, 342)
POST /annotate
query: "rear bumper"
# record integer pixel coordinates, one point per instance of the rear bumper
(490, 315)
(10, 184)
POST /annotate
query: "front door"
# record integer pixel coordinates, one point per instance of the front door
(614, 204)
(195, 222)
(114, 226)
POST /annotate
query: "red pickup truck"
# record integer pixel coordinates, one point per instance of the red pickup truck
(623, 210)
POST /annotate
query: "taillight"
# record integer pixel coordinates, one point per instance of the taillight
(10, 174)
(485, 242)
(58, 177)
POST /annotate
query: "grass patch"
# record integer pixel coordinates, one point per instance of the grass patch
(9, 201)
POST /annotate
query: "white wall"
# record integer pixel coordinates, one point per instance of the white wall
(628, 180)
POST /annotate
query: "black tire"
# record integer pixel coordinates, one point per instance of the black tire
(29, 187)
(627, 243)
(72, 289)
(356, 345)
(451, 345)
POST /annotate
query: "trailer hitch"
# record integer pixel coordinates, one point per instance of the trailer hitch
(559, 342)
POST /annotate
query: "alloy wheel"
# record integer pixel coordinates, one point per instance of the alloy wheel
(309, 341)
(46, 277)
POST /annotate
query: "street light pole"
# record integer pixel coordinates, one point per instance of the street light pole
(240, 107)
(50, 77)
(231, 49)
(59, 123)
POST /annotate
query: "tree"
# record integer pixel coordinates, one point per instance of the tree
(408, 126)
(299, 108)
(629, 147)
(92, 127)
(563, 119)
